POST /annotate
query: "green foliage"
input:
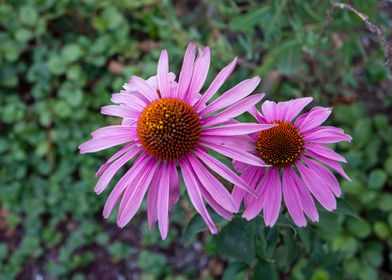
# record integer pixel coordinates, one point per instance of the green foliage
(61, 60)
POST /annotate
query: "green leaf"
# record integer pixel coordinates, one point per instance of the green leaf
(265, 270)
(28, 15)
(345, 208)
(233, 271)
(377, 179)
(236, 240)
(196, 225)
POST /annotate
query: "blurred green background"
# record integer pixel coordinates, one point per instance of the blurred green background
(61, 59)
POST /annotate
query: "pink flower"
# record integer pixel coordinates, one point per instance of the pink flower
(295, 148)
(168, 124)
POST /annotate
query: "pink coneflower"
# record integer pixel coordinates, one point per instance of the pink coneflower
(168, 124)
(295, 148)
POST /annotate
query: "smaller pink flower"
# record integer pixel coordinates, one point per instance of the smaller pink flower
(295, 148)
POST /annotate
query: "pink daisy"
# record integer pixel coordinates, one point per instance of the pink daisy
(295, 148)
(168, 124)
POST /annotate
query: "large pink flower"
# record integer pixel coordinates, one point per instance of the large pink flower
(168, 124)
(295, 148)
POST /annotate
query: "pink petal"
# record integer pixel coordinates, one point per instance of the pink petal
(295, 107)
(200, 71)
(281, 110)
(307, 202)
(256, 114)
(235, 154)
(321, 192)
(314, 118)
(113, 158)
(212, 185)
(132, 176)
(236, 129)
(186, 71)
(211, 201)
(163, 204)
(133, 196)
(114, 130)
(162, 74)
(232, 96)
(325, 175)
(326, 134)
(268, 108)
(254, 206)
(130, 100)
(152, 197)
(233, 111)
(144, 88)
(119, 111)
(331, 163)
(194, 193)
(174, 184)
(219, 80)
(272, 198)
(245, 142)
(113, 169)
(223, 171)
(292, 198)
(324, 151)
(252, 175)
(105, 140)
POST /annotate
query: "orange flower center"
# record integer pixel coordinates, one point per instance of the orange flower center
(168, 128)
(280, 145)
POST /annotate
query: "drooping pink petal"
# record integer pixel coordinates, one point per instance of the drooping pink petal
(329, 162)
(232, 96)
(233, 111)
(144, 88)
(235, 154)
(195, 195)
(119, 111)
(222, 76)
(325, 175)
(255, 205)
(295, 107)
(133, 196)
(251, 175)
(314, 118)
(292, 198)
(132, 176)
(210, 200)
(318, 188)
(223, 171)
(307, 202)
(163, 74)
(113, 169)
(324, 151)
(272, 198)
(105, 166)
(236, 129)
(174, 184)
(200, 71)
(186, 71)
(326, 134)
(163, 204)
(212, 185)
(152, 196)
